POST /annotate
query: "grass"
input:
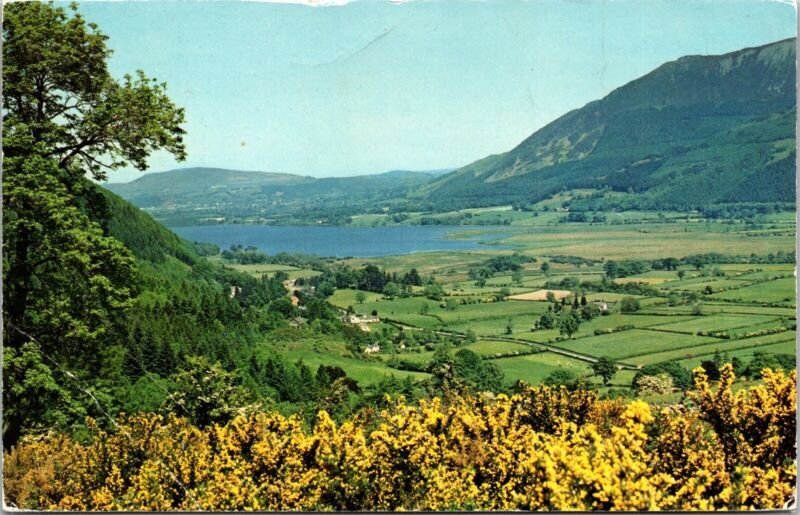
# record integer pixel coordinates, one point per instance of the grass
(346, 297)
(631, 343)
(779, 290)
(314, 351)
(718, 322)
(534, 368)
(258, 270)
(785, 347)
(490, 348)
(641, 241)
(710, 348)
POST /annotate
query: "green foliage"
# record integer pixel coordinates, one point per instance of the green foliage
(763, 360)
(59, 94)
(561, 378)
(568, 323)
(629, 305)
(206, 393)
(33, 398)
(65, 282)
(681, 377)
(605, 368)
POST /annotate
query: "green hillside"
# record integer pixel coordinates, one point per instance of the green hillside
(201, 195)
(696, 131)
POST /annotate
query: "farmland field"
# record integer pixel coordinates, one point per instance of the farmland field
(635, 342)
(720, 322)
(779, 290)
(535, 368)
(713, 346)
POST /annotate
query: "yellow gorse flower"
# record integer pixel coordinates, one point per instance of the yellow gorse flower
(542, 449)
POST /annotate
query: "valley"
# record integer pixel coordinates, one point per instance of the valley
(728, 293)
(600, 317)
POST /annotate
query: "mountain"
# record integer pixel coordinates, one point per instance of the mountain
(197, 195)
(698, 130)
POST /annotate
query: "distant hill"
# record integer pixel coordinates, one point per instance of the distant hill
(196, 195)
(695, 131)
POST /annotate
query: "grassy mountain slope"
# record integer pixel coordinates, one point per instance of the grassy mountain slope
(696, 130)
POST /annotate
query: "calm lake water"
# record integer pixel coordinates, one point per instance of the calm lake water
(343, 241)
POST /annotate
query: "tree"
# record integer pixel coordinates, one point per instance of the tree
(424, 308)
(561, 378)
(545, 267)
(33, 399)
(517, 276)
(546, 321)
(433, 291)
(207, 393)
(629, 305)
(568, 323)
(611, 269)
(509, 327)
(391, 290)
(361, 297)
(412, 278)
(681, 274)
(62, 103)
(65, 116)
(58, 266)
(475, 373)
(590, 311)
(550, 296)
(605, 368)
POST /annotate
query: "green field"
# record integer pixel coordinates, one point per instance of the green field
(490, 348)
(717, 322)
(317, 351)
(785, 347)
(711, 347)
(535, 368)
(779, 290)
(631, 343)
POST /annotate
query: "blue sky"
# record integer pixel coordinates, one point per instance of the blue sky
(373, 85)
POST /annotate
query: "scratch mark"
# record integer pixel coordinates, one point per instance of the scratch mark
(349, 55)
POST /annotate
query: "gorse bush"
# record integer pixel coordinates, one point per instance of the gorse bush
(541, 448)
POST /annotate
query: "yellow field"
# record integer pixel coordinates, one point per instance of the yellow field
(541, 295)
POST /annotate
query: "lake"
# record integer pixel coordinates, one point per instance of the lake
(345, 241)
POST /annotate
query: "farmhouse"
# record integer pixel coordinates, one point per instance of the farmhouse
(603, 306)
(355, 318)
(372, 349)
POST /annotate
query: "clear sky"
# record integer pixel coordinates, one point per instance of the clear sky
(373, 85)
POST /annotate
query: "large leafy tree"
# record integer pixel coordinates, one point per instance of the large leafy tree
(60, 100)
(66, 282)
(64, 117)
